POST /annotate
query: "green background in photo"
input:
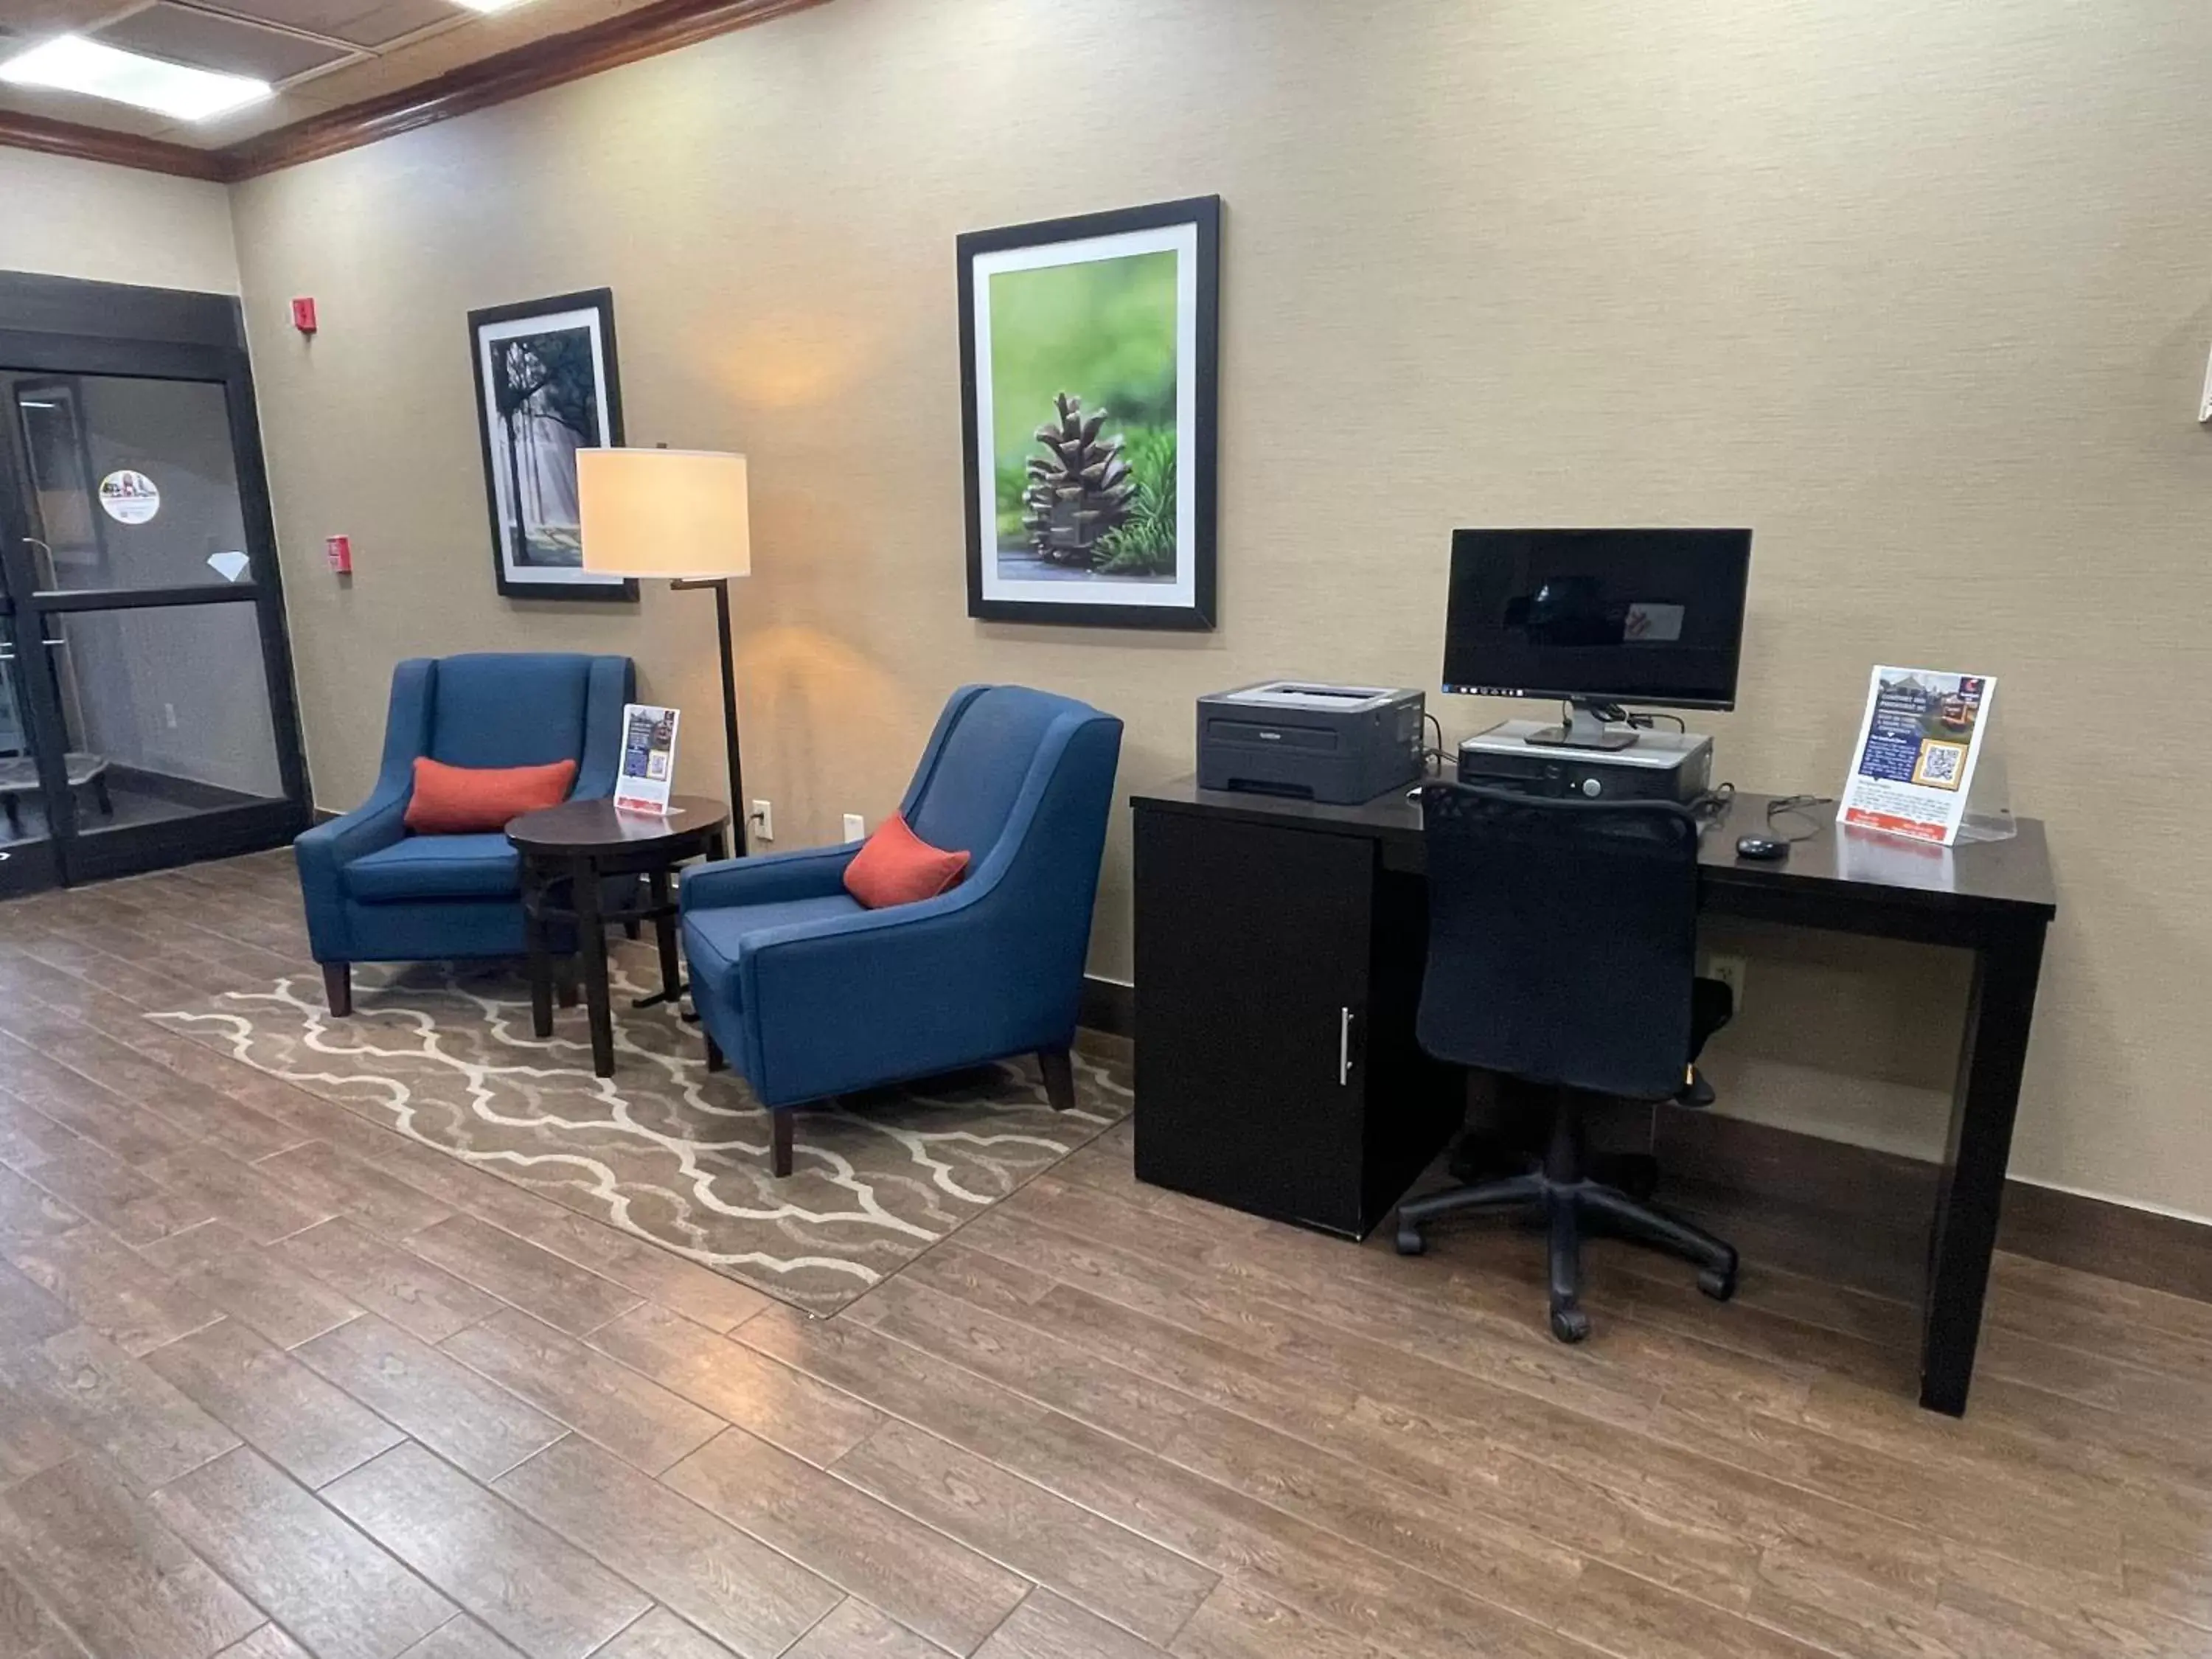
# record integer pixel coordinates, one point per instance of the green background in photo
(1102, 331)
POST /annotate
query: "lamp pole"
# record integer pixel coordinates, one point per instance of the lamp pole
(737, 808)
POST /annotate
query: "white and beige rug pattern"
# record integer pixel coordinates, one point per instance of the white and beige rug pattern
(662, 1149)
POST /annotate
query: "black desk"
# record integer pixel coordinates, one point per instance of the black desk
(1278, 955)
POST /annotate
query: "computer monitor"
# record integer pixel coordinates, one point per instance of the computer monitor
(1597, 618)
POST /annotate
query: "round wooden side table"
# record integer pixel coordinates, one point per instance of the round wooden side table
(576, 846)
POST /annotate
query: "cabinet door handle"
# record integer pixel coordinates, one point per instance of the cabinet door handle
(1343, 1047)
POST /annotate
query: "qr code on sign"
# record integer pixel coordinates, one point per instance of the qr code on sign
(1941, 765)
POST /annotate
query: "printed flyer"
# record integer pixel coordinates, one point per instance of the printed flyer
(1914, 763)
(648, 759)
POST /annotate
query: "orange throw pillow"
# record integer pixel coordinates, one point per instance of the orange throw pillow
(467, 801)
(896, 866)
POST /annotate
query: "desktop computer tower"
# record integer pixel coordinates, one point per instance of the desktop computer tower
(1673, 766)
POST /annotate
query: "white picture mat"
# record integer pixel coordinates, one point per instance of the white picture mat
(492, 334)
(1181, 240)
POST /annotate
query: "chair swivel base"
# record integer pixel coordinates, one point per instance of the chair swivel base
(1570, 1208)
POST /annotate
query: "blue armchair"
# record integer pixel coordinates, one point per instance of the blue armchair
(811, 995)
(375, 891)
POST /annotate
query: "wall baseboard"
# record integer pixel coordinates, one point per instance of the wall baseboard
(1865, 1190)
(1108, 1006)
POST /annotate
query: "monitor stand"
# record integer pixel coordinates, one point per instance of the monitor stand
(1585, 729)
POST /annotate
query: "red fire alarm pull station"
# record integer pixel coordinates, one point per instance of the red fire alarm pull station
(303, 316)
(340, 549)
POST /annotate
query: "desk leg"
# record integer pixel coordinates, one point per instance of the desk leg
(1982, 1105)
(592, 945)
(541, 965)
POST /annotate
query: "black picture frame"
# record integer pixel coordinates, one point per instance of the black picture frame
(1194, 607)
(509, 571)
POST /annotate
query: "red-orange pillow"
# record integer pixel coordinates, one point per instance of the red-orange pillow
(466, 801)
(896, 866)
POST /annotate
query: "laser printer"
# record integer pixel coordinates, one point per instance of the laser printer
(1339, 743)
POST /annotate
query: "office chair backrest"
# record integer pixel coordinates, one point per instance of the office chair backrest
(1562, 938)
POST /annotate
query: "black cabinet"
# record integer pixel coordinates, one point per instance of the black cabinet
(1262, 1081)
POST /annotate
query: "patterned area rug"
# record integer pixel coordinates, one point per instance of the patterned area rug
(662, 1150)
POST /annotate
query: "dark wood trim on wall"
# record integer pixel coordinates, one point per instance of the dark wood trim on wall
(125, 149)
(1880, 1192)
(2141, 1247)
(1108, 1006)
(666, 26)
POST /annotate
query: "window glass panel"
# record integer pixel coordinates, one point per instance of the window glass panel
(133, 482)
(167, 712)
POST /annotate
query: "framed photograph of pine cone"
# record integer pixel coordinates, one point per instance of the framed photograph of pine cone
(1087, 405)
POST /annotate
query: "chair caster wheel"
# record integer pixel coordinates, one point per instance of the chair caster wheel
(1717, 1285)
(1570, 1324)
(1410, 1242)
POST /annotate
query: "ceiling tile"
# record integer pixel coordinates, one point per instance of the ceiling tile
(217, 43)
(364, 22)
(283, 110)
(42, 17)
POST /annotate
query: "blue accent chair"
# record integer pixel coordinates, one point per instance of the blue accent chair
(809, 995)
(376, 892)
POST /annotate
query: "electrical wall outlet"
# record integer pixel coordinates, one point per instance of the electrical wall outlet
(169, 715)
(856, 827)
(763, 820)
(1729, 971)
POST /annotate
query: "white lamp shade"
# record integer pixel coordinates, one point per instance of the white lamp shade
(676, 513)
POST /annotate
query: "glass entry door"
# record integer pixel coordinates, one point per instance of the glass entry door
(146, 712)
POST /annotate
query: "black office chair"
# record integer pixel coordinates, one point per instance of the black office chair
(1562, 952)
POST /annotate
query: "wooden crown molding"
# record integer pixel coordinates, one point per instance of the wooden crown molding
(666, 26)
(98, 144)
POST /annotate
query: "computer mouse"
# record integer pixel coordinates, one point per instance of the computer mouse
(1761, 846)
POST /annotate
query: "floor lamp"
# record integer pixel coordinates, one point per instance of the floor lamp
(678, 513)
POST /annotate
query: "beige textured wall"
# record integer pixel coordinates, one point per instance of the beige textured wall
(1922, 291)
(62, 217)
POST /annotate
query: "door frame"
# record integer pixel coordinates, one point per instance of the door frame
(95, 329)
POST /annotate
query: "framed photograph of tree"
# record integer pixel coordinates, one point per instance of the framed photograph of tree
(1087, 406)
(545, 389)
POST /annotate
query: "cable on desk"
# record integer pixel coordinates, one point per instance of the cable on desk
(1799, 807)
(1434, 759)
(1614, 714)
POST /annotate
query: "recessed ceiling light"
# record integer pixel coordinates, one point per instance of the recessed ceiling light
(489, 5)
(72, 63)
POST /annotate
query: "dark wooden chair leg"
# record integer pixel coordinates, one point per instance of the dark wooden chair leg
(632, 929)
(779, 1142)
(567, 987)
(715, 1060)
(337, 987)
(541, 960)
(1059, 1078)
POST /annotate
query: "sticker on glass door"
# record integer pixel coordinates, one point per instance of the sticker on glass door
(129, 497)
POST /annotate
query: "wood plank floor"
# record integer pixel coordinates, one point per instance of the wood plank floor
(274, 1381)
